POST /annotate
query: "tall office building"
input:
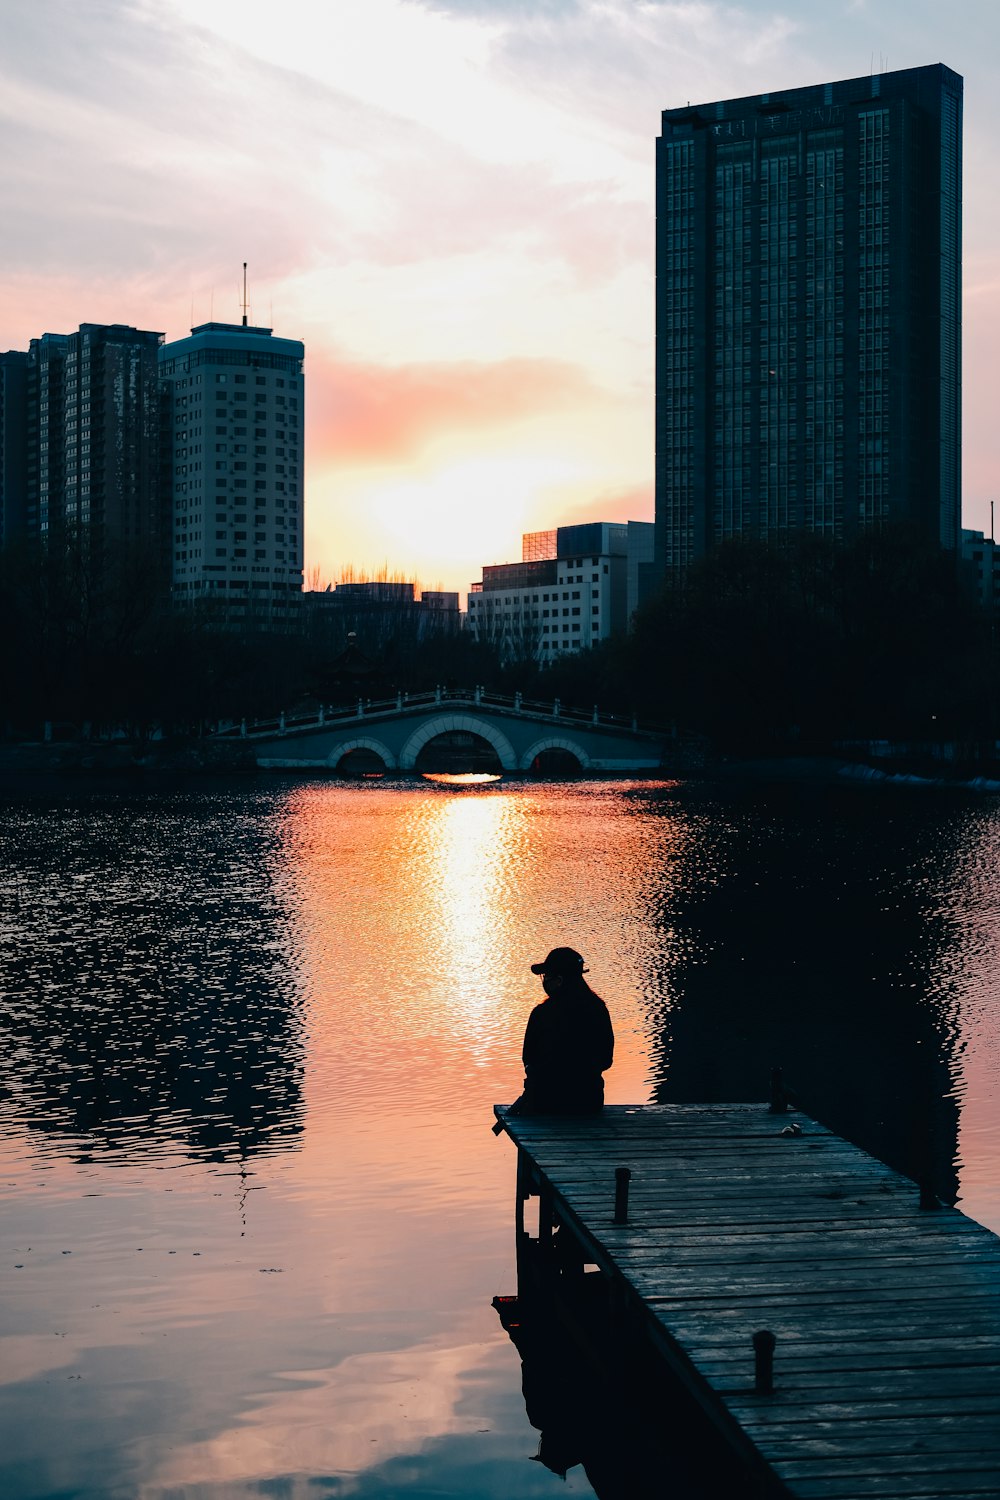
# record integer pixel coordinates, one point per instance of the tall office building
(94, 454)
(808, 313)
(236, 396)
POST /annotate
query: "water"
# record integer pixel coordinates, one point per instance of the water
(253, 1213)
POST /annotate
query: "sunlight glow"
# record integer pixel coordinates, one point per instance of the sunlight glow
(461, 778)
(469, 508)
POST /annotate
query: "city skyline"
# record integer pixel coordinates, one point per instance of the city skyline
(452, 207)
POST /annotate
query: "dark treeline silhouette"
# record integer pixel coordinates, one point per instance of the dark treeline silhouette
(94, 647)
(773, 648)
(815, 641)
(762, 648)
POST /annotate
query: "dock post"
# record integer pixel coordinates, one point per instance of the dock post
(546, 1219)
(763, 1362)
(622, 1179)
(779, 1099)
(524, 1248)
(929, 1199)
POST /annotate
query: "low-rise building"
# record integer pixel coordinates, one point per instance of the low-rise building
(569, 591)
(374, 611)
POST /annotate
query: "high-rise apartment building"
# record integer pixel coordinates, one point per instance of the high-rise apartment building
(13, 444)
(808, 313)
(236, 417)
(94, 454)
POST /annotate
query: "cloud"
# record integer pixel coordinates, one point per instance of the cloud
(368, 413)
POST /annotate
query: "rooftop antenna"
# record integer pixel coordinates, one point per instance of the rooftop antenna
(244, 294)
(992, 536)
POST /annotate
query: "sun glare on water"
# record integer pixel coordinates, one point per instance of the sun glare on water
(463, 778)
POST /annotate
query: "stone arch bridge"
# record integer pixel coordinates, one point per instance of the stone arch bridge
(521, 734)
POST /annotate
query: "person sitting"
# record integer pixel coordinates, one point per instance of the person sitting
(569, 1042)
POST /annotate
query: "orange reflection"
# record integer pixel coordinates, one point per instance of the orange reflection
(345, 1421)
(418, 915)
(462, 778)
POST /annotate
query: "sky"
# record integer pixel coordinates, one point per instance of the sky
(451, 203)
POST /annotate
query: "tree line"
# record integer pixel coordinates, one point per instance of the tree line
(761, 647)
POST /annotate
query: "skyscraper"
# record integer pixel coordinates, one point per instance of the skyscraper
(808, 313)
(13, 444)
(93, 436)
(236, 397)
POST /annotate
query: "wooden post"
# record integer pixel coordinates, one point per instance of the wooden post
(521, 1193)
(524, 1246)
(545, 1217)
(763, 1362)
(929, 1200)
(779, 1099)
(622, 1179)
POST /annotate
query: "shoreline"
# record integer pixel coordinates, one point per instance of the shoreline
(153, 761)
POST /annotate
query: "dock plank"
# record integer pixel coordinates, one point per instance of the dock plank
(886, 1316)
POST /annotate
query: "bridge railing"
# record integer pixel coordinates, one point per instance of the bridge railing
(379, 708)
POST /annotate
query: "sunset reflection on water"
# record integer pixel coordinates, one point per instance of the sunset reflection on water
(254, 1215)
(428, 933)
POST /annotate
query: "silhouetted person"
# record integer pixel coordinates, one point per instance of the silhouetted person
(568, 1042)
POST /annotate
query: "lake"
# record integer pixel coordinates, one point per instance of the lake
(250, 1037)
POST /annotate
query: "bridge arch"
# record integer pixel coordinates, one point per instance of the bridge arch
(444, 724)
(362, 742)
(555, 742)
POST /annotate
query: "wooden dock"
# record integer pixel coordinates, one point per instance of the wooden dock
(885, 1315)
